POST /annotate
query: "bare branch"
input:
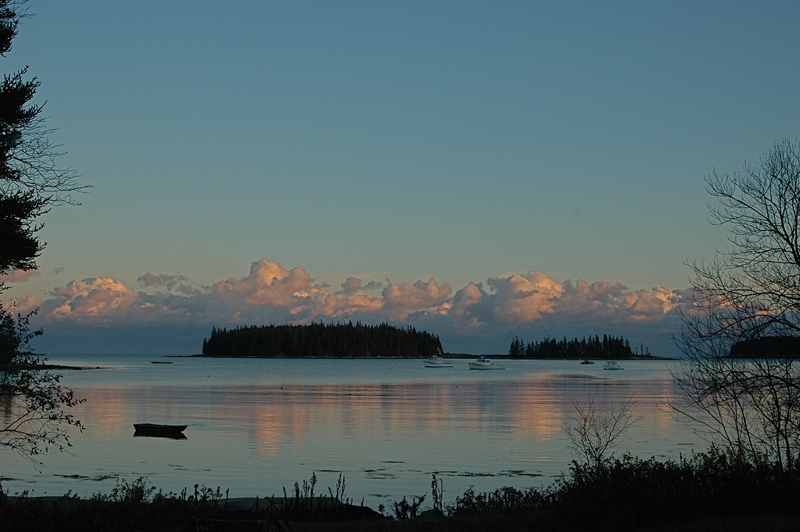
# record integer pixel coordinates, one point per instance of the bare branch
(593, 430)
(749, 292)
(33, 404)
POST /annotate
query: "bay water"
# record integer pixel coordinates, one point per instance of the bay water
(257, 426)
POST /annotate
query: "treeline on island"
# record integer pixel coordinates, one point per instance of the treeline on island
(767, 347)
(322, 341)
(609, 347)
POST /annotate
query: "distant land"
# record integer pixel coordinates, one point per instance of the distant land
(348, 340)
(318, 340)
(591, 348)
(767, 347)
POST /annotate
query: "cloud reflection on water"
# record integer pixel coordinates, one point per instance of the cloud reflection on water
(272, 423)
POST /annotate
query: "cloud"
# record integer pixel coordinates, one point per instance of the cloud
(613, 302)
(375, 285)
(99, 297)
(268, 284)
(402, 299)
(18, 276)
(270, 294)
(523, 298)
(149, 280)
(351, 285)
(514, 299)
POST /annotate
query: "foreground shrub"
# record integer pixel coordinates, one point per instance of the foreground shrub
(615, 494)
(627, 493)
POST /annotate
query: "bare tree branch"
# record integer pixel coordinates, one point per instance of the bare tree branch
(593, 430)
(748, 292)
(32, 401)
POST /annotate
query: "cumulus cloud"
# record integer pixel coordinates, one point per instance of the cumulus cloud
(613, 302)
(149, 280)
(351, 285)
(523, 298)
(270, 293)
(375, 285)
(18, 276)
(100, 297)
(402, 299)
(268, 284)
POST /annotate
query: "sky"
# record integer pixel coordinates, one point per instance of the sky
(477, 169)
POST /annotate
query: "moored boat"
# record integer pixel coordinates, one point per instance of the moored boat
(159, 431)
(437, 362)
(612, 365)
(484, 363)
(585, 362)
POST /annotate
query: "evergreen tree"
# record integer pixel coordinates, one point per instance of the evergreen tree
(30, 182)
(593, 347)
(320, 340)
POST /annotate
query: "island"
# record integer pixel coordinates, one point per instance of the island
(592, 348)
(319, 340)
(776, 347)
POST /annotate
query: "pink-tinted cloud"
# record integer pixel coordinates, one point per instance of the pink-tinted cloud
(22, 305)
(18, 276)
(99, 298)
(268, 284)
(523, 298)
(402, 299)
(273, 294)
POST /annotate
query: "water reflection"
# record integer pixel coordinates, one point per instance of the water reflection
(387, 437)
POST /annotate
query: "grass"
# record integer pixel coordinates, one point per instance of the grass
(707, 492)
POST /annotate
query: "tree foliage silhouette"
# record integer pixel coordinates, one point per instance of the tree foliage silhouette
(32, 401)
(321, 340)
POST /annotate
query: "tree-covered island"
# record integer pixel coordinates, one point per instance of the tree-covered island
(319, 340)
(606, 348)
(775, 347)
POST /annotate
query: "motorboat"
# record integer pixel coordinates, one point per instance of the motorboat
(612, 365)
(160, 431)
(484, 363)
(437, 362)
(585, 362)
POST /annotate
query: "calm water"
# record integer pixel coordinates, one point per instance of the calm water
(258, 425)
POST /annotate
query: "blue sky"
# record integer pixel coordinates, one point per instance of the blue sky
(468, 142)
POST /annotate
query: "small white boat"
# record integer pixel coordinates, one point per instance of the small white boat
(612, 365)
(484, 363)
(437, 362)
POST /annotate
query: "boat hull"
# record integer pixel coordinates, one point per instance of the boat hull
(437, 362)
(159, 431)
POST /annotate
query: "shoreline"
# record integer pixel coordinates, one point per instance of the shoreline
(453, 356)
